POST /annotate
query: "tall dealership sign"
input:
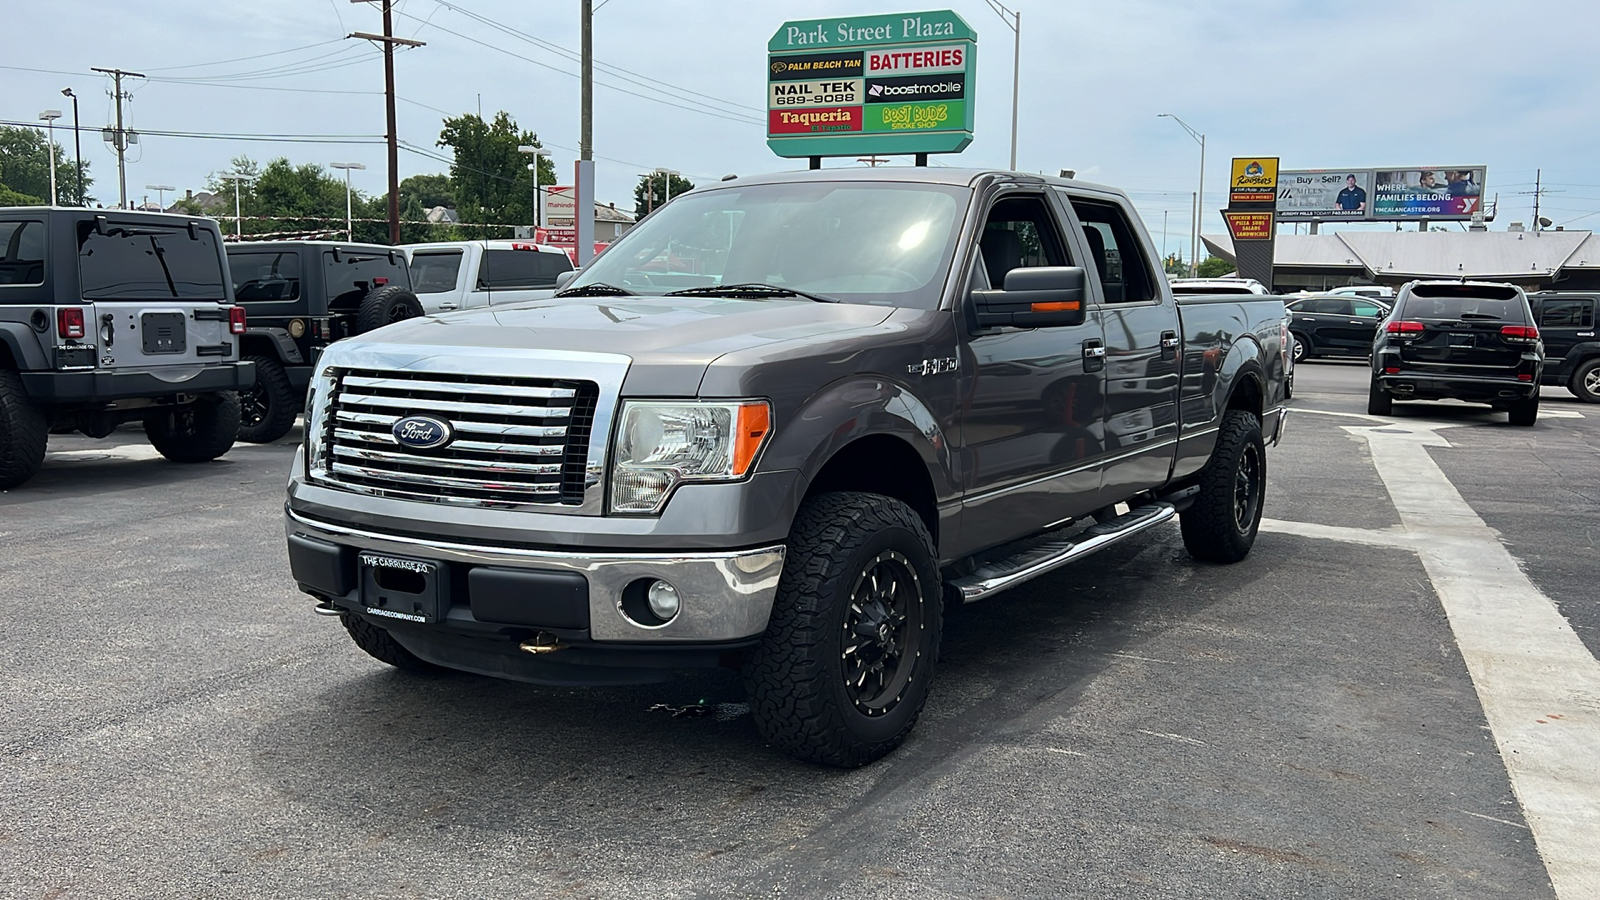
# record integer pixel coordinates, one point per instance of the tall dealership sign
(1447, 193)
(1252, 207)
(896, 84)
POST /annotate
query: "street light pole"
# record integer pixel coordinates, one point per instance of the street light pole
(1015, 24)
(161, 194)
(77, 141)
(238, 219)
(666, 183)
(49, 117)
(538, 199)
(1200, 197)
(349, 223)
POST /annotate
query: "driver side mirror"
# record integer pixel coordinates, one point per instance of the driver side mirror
(1037, 297)
(565, 278)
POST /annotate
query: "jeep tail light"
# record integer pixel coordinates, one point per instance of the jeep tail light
(69, 322)
(236, 320)
(1524, 376)
(1403, 327)
(380, 281)
(1519, 334)
(1391, 370)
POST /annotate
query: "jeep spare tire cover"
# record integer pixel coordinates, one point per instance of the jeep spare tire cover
(385, 306)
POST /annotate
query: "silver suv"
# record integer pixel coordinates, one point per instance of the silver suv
(107, 317)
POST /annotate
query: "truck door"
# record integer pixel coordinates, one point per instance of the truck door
(1032, 401)
(1142, 343)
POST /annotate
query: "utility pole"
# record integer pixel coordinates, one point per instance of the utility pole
(583, 184)
(1538, 190)
(119, 138)
(388, 42)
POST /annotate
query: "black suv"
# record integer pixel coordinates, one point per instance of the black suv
(1334, 325)
(110, 316)
(1463, 340)
(303, 295)
(1572, 355)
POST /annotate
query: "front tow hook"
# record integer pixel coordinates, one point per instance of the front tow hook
(541, 643)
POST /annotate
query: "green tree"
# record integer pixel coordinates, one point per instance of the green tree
(652, 191)
(428, 191)
(490, 176)
(25, 166)
(1214, 267)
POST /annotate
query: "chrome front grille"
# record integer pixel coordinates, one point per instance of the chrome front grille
(517, 441)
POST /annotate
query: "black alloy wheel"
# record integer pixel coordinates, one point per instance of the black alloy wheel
(1247, 488)
(880, 633)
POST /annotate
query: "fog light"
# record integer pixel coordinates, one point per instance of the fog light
(663, 600)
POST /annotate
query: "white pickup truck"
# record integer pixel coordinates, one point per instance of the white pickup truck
(471, 274)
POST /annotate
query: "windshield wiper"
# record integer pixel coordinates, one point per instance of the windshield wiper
(748, 289)
(1479, 316)
(596, 289)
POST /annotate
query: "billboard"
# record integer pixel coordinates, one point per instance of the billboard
(1380, 195)
(1324, 194)
(1449, 192)
(871, 84)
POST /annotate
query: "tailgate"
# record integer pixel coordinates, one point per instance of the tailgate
(145, 335)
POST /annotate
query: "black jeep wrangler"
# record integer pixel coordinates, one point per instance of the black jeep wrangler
(111, 316)
(303, 295)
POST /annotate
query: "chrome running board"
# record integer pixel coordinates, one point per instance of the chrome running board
(1049, 555)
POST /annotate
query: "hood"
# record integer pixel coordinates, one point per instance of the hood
(671, 340)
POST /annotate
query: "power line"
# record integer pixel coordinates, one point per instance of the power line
(703, 110)
(278, 138)
(568, 54)
(298, 67)
(238, 59)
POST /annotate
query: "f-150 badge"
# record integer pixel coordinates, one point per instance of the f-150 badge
(933, 366)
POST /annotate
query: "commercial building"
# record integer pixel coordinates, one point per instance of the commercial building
(1537, 260)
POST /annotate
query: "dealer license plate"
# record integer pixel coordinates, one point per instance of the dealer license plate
(1457, 339)
(394, 587)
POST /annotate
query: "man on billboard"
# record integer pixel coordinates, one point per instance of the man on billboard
(1428, 183)
(1353, 199)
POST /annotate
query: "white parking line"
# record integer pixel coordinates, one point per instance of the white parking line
(1537, 682)
(124, 451)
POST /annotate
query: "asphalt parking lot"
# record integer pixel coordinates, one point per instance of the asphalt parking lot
(1309, 723)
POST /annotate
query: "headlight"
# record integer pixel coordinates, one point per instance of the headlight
(661, 445)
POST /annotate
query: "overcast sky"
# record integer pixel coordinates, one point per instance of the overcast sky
(1321, 84)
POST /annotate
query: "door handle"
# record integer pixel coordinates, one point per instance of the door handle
(1169, 345)
(1585, 334)
(108, 329)
(1094, 355)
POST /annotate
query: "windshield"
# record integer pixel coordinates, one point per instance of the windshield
(147, 262)
(886, 244)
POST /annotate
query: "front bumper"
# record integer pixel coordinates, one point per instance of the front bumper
(99, 386)
(726, 596)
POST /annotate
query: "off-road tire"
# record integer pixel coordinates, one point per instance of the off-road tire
(23, 432)
(796, 677)
(196, 432)
(1379, 401)
(385, 306)
(1525, 412)
(1585, 381)
(1220, 525)
(381, 646)
(278, 405)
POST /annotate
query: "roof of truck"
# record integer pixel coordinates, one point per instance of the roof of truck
(915, 174)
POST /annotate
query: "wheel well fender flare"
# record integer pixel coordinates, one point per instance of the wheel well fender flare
(1242, 376)
(21, 344)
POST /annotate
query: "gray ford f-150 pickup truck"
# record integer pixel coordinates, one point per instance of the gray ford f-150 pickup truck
(781, 424)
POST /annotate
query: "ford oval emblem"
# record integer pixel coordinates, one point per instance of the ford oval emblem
(422, 432)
